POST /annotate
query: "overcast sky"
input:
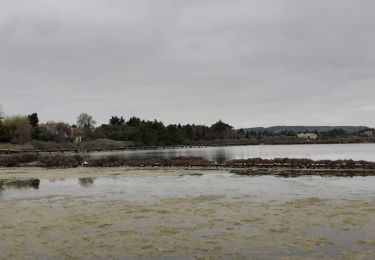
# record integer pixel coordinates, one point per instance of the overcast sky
(249, 63)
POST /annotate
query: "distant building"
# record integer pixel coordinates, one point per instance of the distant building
(60, 130)
(308, 136)
(78, 134)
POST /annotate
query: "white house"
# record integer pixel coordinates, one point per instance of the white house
(308, 136)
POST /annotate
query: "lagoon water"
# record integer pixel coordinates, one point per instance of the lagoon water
(125, 213)
(224, 153)
(175, 213)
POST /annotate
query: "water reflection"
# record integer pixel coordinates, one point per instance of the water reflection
(221, 157)
(20, 184)
(115, 176)
(86, 182)
(54, 179)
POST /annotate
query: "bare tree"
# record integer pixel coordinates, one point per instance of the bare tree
(84, 120)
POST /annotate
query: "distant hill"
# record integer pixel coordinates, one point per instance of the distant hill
(301, 129)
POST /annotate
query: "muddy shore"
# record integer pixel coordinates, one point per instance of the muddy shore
(287, 167)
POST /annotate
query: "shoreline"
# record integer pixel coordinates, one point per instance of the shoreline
(252, 171)
(147, 148)
(195, 171)
(284, 167)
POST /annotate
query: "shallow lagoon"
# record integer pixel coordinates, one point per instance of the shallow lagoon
(221, 154)
(160, 213)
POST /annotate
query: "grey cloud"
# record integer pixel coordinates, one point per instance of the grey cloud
(260, 62)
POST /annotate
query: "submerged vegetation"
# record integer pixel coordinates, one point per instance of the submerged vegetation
(95, 213)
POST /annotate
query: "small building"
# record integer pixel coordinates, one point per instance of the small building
(59, 130)
(308, 136)
(78, 134)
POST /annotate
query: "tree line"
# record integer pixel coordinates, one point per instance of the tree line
(144, 132)
(22, 129)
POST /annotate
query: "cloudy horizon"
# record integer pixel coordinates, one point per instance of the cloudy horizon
(248, 63)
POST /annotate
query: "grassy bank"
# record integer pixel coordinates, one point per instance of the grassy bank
(68, 161)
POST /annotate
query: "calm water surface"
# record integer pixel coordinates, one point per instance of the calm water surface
(122, 213)
(221, 154)
(151, 188)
